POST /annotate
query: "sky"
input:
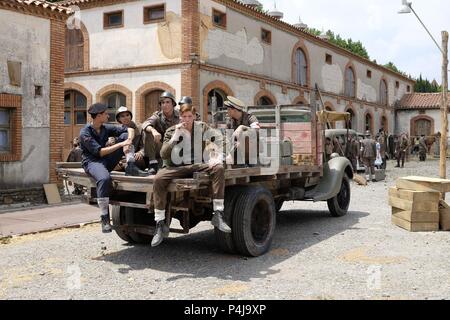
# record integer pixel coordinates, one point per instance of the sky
(387, 35)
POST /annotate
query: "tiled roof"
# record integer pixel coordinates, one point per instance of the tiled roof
(44, 4)
(421, 101)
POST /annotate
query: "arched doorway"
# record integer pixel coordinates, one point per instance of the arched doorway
(151, 102)
(368, 123)
(75, 117)
(114, 101)
(423, 127)
(216, 99)
(353, 122)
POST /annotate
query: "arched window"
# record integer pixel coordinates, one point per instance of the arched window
(383, 93)
(74, 50)
(350, 83)
(301, 68)
(114, 101)
(216, 98)
(369, 123)
(265, 101)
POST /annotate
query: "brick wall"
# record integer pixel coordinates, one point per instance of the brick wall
(190, 75)
(57, 42)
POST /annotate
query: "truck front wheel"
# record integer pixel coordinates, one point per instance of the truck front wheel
(338, 205)
(254, 219)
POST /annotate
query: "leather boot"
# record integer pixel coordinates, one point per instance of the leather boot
(133, 170)
(153, 168)
(162, 231)
(218, 222)
(106, 225)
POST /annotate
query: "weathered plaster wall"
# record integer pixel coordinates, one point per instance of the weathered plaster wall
(404, 119)
(26, 39)
(130, 80)
(135, 43)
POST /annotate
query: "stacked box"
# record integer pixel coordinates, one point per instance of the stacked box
(416, 204)
(416, 211)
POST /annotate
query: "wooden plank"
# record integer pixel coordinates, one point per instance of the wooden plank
(415, 227)
(430, 217)
(52, 193)
(413, 206)
(413, 195)
(444, 216)
(424, 184)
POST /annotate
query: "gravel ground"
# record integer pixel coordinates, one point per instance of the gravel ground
(313, 256)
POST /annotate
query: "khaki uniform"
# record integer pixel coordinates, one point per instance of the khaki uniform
(368, 154)
(353, 153)
(402, 147)
(246, 120)
(192, 163)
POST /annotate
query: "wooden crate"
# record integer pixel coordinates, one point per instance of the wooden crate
(444, 216)
(415, 226)
(416, 217)
(412, 195)
(423, 184)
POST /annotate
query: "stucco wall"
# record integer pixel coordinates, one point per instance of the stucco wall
(26, 39)
(130, 80)
(239, 46)
(404, 119)
(135, 43)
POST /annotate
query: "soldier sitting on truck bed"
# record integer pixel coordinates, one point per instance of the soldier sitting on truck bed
(98, 160)
(156, 126)
(144, 145)
(183, 158)
(240, 121)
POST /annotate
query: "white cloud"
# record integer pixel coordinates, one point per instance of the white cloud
(387, 35)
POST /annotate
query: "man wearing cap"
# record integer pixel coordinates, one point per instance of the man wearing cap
(368, 154)
(98, 160)
(143, 144)
(160, 121)
(239, 121)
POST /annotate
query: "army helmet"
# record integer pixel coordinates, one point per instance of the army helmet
(167, 94)
(122, 110)
(185, 100)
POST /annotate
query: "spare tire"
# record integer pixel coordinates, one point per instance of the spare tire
(254, 220)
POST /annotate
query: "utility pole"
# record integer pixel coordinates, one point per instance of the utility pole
(444, 107)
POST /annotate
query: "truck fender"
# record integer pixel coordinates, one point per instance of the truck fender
(330, 184)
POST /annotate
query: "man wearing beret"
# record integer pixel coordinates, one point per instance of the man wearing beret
(98, 160)
(240, 121)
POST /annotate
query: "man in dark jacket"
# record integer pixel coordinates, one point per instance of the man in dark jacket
(368, 154)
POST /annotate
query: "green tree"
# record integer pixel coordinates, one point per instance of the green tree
(425, 86)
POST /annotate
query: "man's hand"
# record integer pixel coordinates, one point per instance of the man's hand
(138, 156)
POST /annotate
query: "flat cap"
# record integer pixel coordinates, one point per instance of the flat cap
(234, 103)
(97, 108)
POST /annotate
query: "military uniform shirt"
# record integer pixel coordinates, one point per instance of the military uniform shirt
(246, 120)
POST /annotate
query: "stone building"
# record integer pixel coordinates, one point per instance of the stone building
(127, 52)
(419, 114)
(31, 94)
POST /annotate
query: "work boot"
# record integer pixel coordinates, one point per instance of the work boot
(217, 221)
(153, 169)
(162, 231)
(133, 170)
(106, 225)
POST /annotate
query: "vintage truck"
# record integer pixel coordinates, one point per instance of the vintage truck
(253, 194)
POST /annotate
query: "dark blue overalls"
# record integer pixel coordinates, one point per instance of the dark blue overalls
(97, 167)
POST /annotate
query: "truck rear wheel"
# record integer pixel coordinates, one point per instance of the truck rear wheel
(139, 217)
(119, 219)
(225, 240)
(338, 205)
(254, 219)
